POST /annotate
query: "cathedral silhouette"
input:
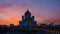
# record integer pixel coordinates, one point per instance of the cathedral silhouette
(29, 26)
(27, 21)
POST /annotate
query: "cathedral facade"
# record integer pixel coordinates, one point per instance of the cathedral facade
(27, 21)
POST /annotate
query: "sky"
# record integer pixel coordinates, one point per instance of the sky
(45, 11)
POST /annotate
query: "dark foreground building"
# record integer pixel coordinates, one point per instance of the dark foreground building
(27, 21)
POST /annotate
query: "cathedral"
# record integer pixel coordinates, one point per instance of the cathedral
(27, 21)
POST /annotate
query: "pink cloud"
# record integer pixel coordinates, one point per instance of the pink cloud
(5, 5)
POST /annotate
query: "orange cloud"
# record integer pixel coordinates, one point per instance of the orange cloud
(3, 22)
(14, 20)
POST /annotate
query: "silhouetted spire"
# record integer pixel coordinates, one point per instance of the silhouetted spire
(27, 12)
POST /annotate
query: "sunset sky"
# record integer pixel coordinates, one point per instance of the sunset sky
(45, 11)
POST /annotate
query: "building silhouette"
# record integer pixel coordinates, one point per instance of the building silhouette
(29, 26)
(27, 21)
(11, 26)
